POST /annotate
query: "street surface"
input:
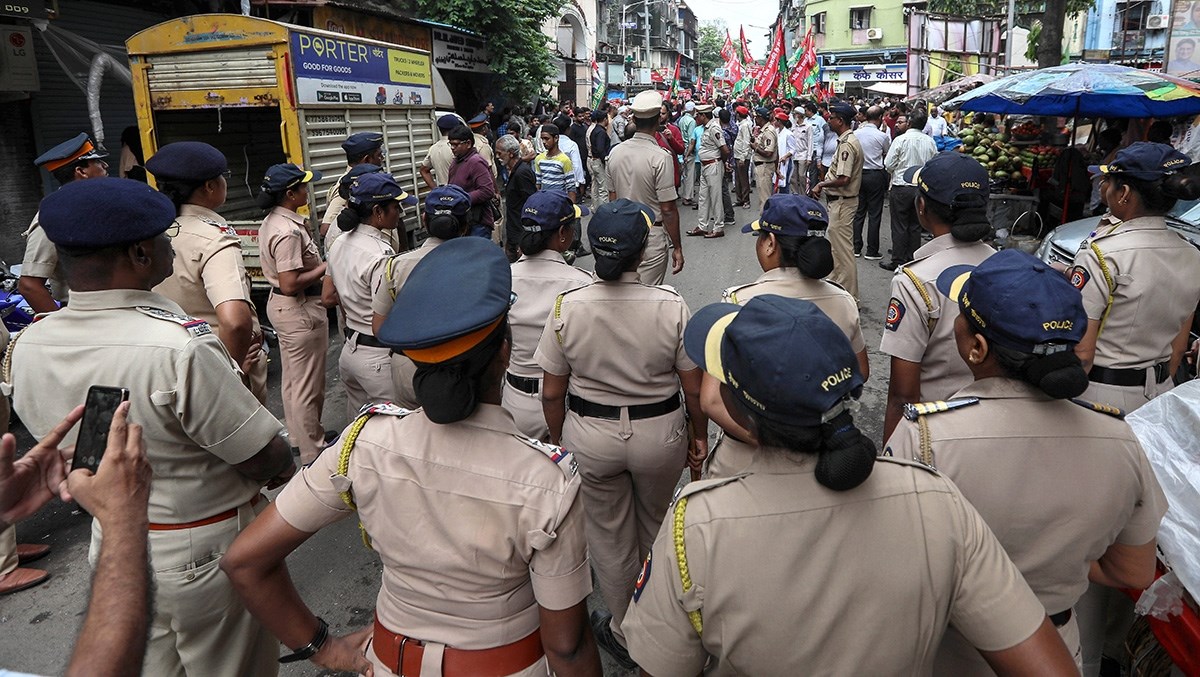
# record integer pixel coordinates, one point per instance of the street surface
(337, 576)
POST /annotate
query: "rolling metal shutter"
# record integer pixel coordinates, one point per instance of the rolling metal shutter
(221, 69)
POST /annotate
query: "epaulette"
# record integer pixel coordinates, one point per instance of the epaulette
(224, 227)
(914, 411)
(828, 281)
(702, 485)
(1115, 412)
(386, 408)
(913, 463)
(730, 294)
(195, 327)
(555, 453)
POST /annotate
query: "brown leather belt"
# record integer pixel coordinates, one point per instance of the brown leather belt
(219, 517)
(708, 162)
(402, 655)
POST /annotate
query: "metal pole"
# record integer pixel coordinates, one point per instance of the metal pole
(647, 7)
(1008, 44)
(623, 8)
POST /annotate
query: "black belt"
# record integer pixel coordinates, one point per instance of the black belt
(313, 289)
(1061, 618)
(363, 339)
(764, 162)
(874, 170)
(530, 386)
(1128, 377)
(636, 411)
(835, 198)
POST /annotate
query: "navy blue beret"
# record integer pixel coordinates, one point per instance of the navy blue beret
(104, 212)
(448, 122)
(362, 143)
(187, 161)
(67, 152)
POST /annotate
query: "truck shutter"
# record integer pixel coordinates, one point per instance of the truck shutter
(212, 70)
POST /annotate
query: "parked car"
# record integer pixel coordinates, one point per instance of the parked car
(1059, 247)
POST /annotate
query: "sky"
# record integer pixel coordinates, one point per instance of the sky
(755, 15)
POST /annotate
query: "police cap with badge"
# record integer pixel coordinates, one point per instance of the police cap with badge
(361, 144)
(447, 200)
(478, 121)
(375, 187)
(104, 212)
(78, 149)
(192, 161)
(549, 210)
(790, 214)
(282, 177)
(950, 178)
(647, 104)
(448, 122)
(1145, 160)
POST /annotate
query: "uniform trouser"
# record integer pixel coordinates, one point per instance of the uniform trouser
(599, 169)
(303, 330)
(1128, 398)
(431, 663)
(956, 657)
(687, 186)
(906, 229)
(200, 626)
(1105, 616)
(403, 370)
(8, 551)
(741, 172)
(798, 183)
(366, 373)
(629, 470)
(841, 222)
(870, 209)
(526, 410)
(726, 198)
(256, 377)
(653, 268)
(710, 196)
(764, 178)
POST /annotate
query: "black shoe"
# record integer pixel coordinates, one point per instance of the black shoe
(890, 265)
(602, 629)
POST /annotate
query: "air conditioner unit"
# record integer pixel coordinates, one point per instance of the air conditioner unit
(1158, 22)
(874, 33)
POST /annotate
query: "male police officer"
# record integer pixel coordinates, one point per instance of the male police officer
(360, 148)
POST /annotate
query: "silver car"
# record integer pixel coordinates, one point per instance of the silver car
(1060, 245)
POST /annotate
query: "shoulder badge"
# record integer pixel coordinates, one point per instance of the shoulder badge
(224, 227)
(642, 578)
(915, 464)
(1078, 276)
(564, 459)
(194, 326)
(386, 408)
(895, 314)
(914, 411)
(1115, 412)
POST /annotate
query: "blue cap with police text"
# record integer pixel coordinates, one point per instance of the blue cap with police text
(469, 281)
(104, 212)
(187, 161)
(619, 228)
(1145, 160)
(549, 210)
(782, 358)
(75, 150)
(1017, 302)
(448, 122)
(356, 171)
(284, 176)
(447, 199)
(950, 176)
(374, 187)
(790, 214)
(362, 143)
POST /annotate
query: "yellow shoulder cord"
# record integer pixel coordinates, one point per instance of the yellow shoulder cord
(387, 276)
(685, 577)
(6, 368)
(557, 316)
(733, 297)
(344, 467)
(1108, 279)
(929, 321)
(926, 442)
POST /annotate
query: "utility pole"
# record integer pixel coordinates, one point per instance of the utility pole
(647, 5)
(1008, 44)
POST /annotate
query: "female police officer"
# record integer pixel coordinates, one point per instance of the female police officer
(480, 530)
(1068, 491)
(870, 560)
(371, 214)
(952, 198)
(617, 347)
(547, 230)
(293, 266)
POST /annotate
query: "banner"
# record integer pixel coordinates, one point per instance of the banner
(330, 70)
(747, 58)
(727, 52)
(765, 82)
(597, 85)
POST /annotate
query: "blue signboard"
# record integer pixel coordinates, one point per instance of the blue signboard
(342, 70)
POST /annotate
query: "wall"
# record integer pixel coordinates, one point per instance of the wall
(839, 37)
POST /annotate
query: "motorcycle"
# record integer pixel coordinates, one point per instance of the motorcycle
(15, 312)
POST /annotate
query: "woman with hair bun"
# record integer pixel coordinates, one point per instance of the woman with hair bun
(1063, 482)
(870, 558)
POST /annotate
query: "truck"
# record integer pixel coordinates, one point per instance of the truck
(265, 92)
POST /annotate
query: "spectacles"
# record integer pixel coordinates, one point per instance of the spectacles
(458, 143)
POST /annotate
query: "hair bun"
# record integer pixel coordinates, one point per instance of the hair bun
(847, 457)
(1181, 186)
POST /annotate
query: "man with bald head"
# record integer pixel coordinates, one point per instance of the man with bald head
(875, 143)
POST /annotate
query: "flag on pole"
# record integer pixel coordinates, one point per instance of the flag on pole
(597, 85)
(675, 79)
(765, 82)
(747, 58)
(805, 61)
(727, 52)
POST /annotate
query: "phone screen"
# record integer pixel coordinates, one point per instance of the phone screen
(98, 412)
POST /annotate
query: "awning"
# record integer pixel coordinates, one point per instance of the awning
(896, 88)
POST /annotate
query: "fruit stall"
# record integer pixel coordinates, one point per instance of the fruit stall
(1018, 164)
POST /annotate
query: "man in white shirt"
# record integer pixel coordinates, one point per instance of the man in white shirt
(911, 148)
(875, 143)
(820, 130)
(801, 140)
(783, 171)
(937, 124)
(743, 155)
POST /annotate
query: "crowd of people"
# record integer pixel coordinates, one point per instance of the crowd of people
(520, 426)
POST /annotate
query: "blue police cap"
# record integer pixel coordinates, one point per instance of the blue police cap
(447, 199)
(783, 358)
(187, 161)
(1018, 302)
(358, 145)
(68, 152)
(448, 122)
(844, 111)
(1145, 160)
(478, 120)
(374, 187)
(549, 210)
(104, 212)
(619, 229)
(284, 176)
(763, 112)
(790, 214)
(949, 176)
(357, 171)
(453, 300)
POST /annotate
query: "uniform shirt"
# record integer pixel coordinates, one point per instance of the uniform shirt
(768, 142)
(485, 151)
(741, 145)
(285, 244)
(874, 144)
(356, 266)
(438, 161)
(537, 280)
(906, 332)
(392, 276)
(41, 260)
(571, 150)
(334, 204)
(712, 140)
(198, 418)
(910, 149)
(640, 170)
(820, 129)
(619, 363)
(554, 172)
(847, 161)
(908, 556)
(835, 302)
(800, 142)
(475, 526)
(1157, 274)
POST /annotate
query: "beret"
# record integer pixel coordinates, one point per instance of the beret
(103, 212)
(187, 161)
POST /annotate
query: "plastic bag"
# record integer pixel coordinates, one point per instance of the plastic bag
(1163, 599)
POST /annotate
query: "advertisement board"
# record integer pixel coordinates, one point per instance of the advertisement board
(348, 72)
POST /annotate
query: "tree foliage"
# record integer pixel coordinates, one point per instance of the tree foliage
(708, 49)
(1049, 17)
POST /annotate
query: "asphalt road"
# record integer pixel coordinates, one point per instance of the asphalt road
(334, 572)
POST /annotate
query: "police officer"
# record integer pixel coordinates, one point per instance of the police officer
(211, 445)
(918, 333)
(641, 171)
(538, 277)
(765, 145)
(888, 548)
(69, 161)
(209, 280)
(292, 265)
(363, 148)
(1097, 501)
(841, 186)
(355, 265)
(712, 152)
(480, 529)
(446, 217)
(616, 346)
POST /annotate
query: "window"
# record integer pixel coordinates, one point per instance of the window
(860, 17)
(818, 22)
(1132, 16)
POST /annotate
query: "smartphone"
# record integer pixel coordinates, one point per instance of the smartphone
(98, 412)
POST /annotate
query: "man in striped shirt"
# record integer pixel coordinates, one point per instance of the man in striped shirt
(553, 168)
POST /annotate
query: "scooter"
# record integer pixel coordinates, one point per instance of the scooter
(13, 309)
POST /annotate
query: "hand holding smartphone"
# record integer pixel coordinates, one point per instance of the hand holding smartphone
(98, 411)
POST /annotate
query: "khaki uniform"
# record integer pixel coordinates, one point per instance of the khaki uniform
(438, 160)
(41, 260)
(712, 169)
(1157, 277)
(356, 265)
(334, 204)
(209, 271)
(907, 331)
(485, 149)
(621, 342)
(834, 301)
(842, 203)
(301, 325)
(537, 281)
(764, 165)
(640, 170)
(395, 272)
(198, 422)
(922, 559)
(1099, 490)
(448, 582)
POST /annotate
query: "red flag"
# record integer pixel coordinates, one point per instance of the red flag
(766, 82)
(804, 64)
(655, 76)
(727, 52)
(675, 80)
(746, 57)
